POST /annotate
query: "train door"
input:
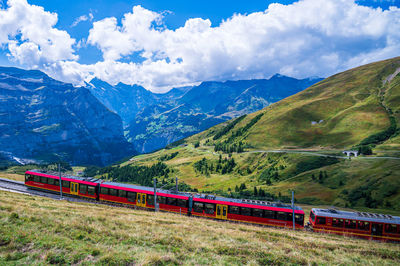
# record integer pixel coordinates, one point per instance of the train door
(376, 229)
(222, 211)
(74, 188)
(141, 200)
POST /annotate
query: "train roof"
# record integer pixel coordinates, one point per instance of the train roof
(361, 216)
(199, 196)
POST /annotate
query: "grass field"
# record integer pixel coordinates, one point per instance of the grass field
(36, 230)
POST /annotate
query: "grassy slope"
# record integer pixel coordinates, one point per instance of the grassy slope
(348, 103)
(38, 230)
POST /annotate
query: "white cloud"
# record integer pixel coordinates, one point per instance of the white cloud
(82, 18)
(28, 32)
(79, 20)
(307, 38)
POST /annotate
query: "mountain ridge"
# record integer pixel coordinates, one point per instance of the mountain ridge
(181, 112)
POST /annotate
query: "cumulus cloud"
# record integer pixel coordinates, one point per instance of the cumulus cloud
(30, 36)
(306, 38)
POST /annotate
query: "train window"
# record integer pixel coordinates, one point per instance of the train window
(198, 207)
(312, 216)
(131, 196)
(390, 228)
(269, 214)
(257, 213)
(245, 211)
(289, 216)
(122, 193)
(162, 200)
(50, 181)
(113, 192)
(321, 220)
(182, 203)
(65, 183)
(281, 216)
(210, 208)
(43, 179)
(36, 178)
(104, 190)
(150, 199)
(363, 225)
(91, 190)
(350, 224)
(234, 210)
(56, 182)
(299, 219)
(337, 222)
(171, 201)
(83, 189)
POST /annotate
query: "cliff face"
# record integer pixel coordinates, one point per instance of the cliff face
(44, 119)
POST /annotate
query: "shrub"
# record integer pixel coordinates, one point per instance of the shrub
(365, 149)
(314, 163)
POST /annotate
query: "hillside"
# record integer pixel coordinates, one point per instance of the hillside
(42, 119)
(354, 109)
(36, 230)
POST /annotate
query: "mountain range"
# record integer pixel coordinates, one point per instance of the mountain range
(43, 120)
(152, 121)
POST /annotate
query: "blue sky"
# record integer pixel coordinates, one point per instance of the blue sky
(162, 44)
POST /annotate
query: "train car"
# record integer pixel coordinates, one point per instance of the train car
(144, 197)
(71, 185)
(248, 211)
(359, 224)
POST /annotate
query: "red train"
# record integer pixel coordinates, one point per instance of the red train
(359, 224)
(249, 211)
